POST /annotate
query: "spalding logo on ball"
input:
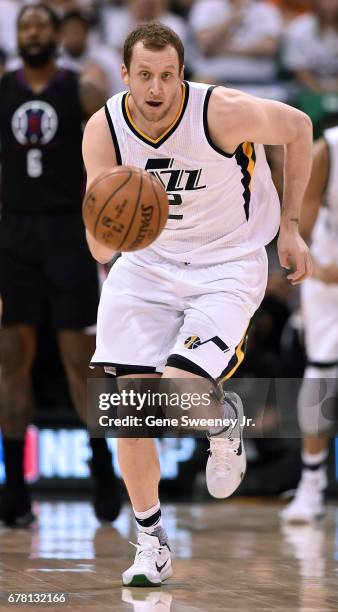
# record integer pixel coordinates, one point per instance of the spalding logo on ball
(125, 209)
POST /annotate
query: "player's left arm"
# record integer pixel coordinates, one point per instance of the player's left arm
(247, 118)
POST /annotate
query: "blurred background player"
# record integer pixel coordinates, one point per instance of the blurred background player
(320, 311)
(44, 259)
(310, 47)
(80, 49)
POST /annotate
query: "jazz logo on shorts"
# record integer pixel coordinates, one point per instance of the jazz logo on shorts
(194, 342)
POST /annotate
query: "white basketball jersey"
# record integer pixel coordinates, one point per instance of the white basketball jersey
(222, 206)
(325, 234)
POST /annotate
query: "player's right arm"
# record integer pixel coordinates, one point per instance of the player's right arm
(99, 157)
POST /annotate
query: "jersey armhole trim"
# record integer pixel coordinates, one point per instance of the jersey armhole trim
(206, 128)
(114, 137)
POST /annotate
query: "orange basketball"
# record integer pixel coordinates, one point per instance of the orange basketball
(125, 209)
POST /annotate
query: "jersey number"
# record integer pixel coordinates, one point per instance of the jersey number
(175, 200)
(34, 163)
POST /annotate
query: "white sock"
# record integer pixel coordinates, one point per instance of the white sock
(148, 520)
(314, 460)
(315, 468)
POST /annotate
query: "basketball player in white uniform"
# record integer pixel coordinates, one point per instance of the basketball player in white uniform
(320, 314)
(181, 307)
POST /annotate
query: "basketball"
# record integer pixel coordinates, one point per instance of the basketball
(125, 209)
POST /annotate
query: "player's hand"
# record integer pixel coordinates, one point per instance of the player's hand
(294, 253)
(93, 88)
(326, 274)
(101, 253)
(93, 74)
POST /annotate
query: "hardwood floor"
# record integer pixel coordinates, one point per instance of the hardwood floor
(232, 555)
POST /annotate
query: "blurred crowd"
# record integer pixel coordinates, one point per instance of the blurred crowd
(280, 48)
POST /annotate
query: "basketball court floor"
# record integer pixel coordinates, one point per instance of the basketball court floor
(231, 555)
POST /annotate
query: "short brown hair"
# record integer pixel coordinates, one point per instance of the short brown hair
(154, 36)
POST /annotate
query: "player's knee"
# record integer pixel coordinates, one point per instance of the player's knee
(76, 348)
(316, 400)
(77, 365)
(17, 347)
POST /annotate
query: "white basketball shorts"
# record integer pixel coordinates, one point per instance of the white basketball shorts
(152, 308)
(320, 314)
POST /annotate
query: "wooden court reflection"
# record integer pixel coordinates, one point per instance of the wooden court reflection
(232, 556)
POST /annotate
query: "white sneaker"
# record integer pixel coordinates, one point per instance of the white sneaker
(308, 503)
(227, 461)
(152, 563)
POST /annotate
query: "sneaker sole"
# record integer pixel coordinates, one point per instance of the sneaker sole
(141, 580)
(241, 428)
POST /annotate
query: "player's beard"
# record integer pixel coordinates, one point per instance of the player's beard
(40, 58)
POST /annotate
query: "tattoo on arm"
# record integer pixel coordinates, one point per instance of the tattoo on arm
(295, 220)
